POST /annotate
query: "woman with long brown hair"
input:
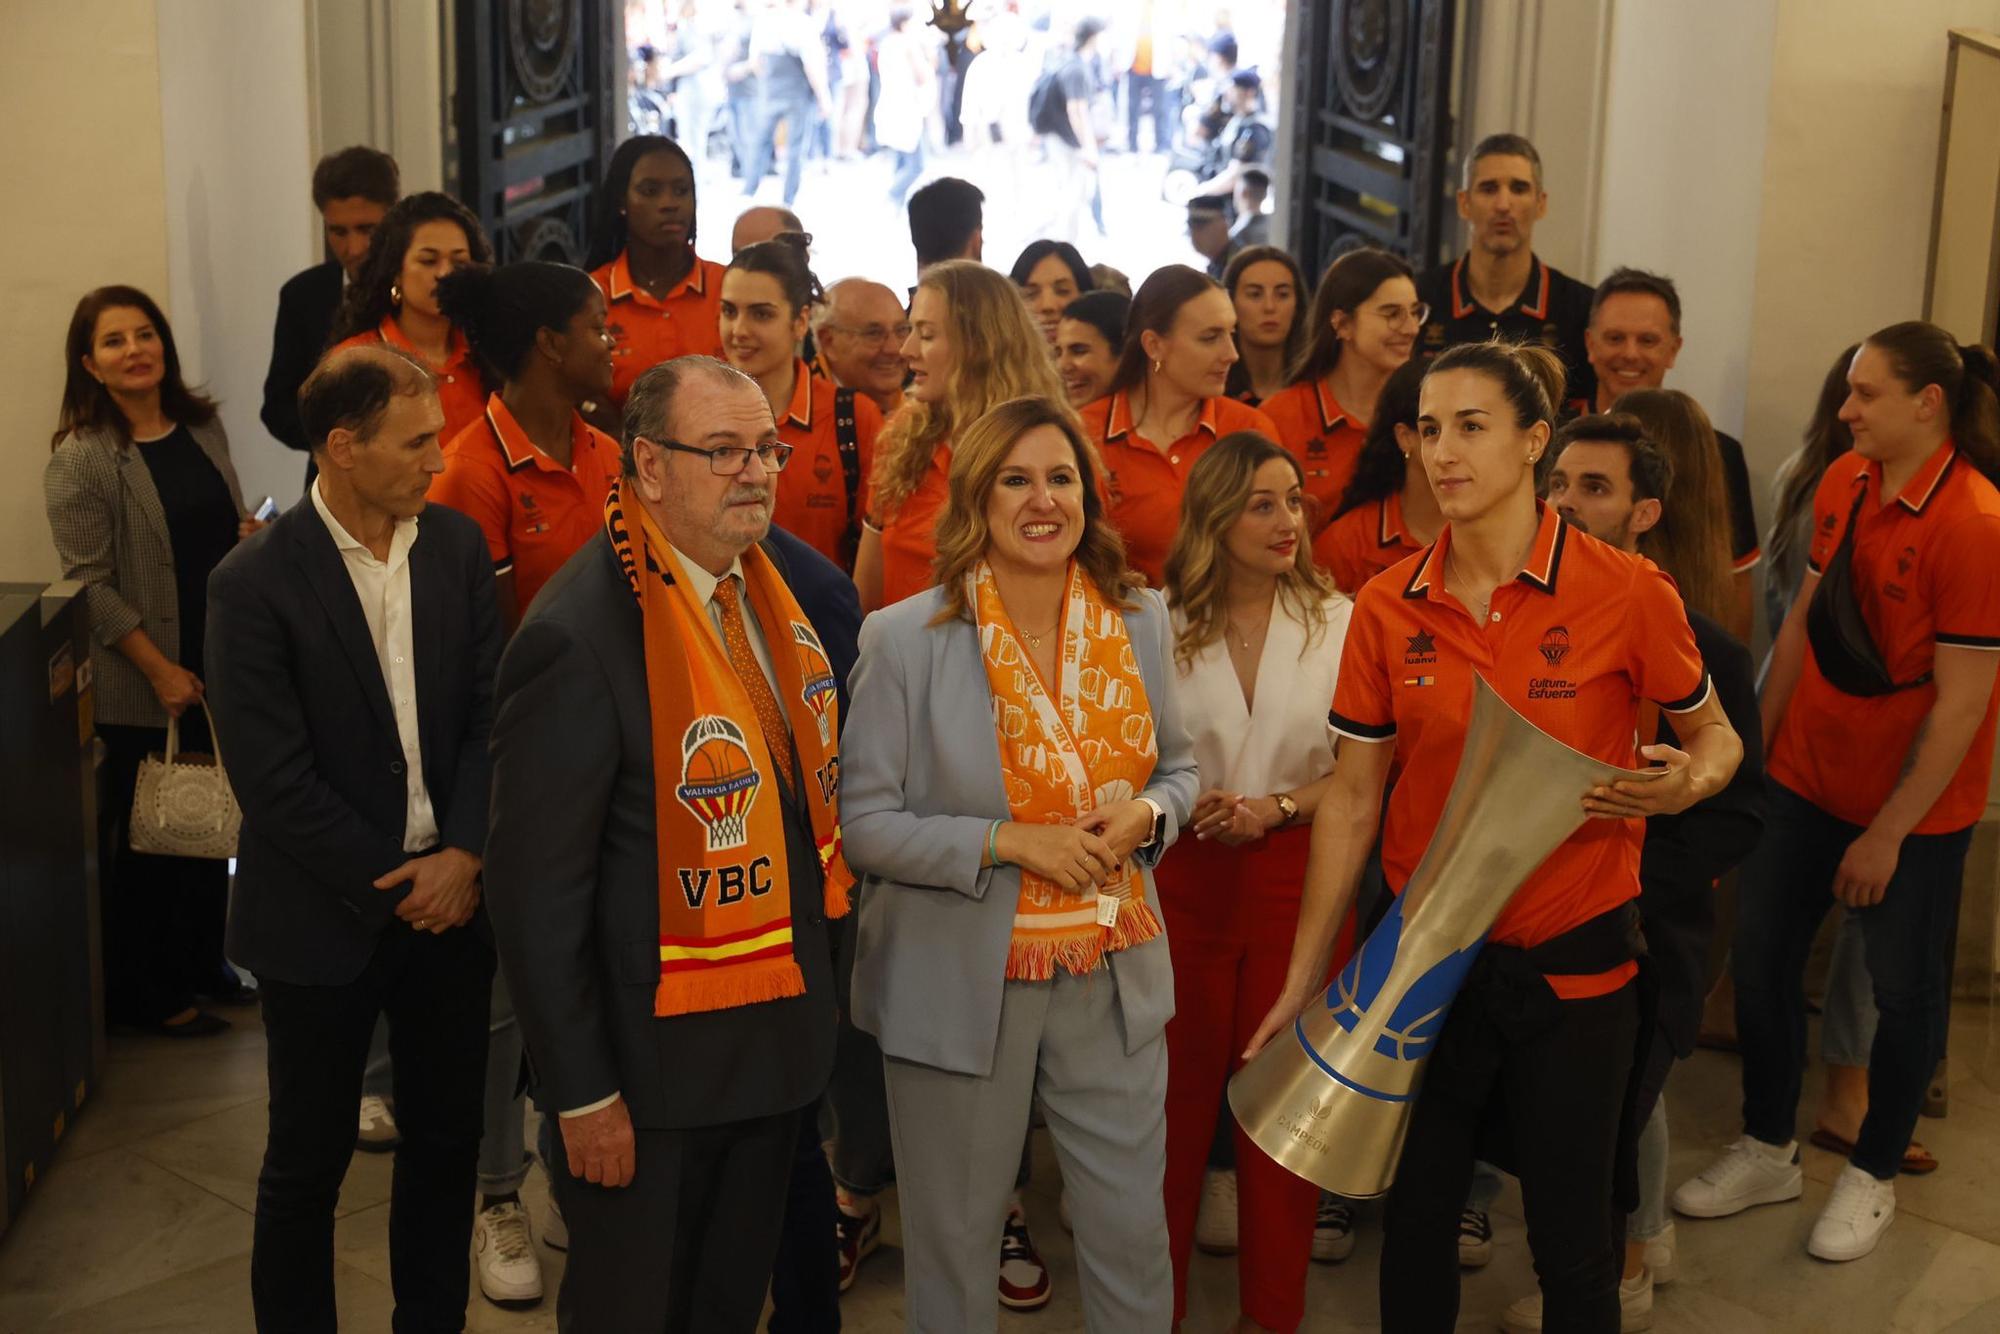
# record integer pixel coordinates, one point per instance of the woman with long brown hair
(1167, 406)
(1691, 540)
(1364, 324)
(393, 299)
(1014, 766)
(1826, 438)
(143, 503)
(1269, 292)
(972, 345)
(1258, 633)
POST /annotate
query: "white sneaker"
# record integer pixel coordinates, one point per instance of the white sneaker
(1661, 1261)
(1215, 1225)
(509, 1269)
(555, 1232)
(377, 1133)
(1635, 1308)
(1855, 1218)
(1333, 1230)
(1749, 1172)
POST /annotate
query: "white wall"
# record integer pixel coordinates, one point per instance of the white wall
(239, 215)
(1680, 178)
(82, 159)
(1850, 164)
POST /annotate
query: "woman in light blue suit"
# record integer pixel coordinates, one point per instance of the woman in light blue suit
(1014, 765)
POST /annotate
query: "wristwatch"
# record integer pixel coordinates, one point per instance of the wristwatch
(1287, 808)
(1158, 833)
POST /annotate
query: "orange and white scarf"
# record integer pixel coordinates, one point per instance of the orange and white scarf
(1061, 757)
(725, 886)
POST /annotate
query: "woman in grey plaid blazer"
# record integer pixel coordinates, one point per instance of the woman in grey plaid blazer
(142, 503)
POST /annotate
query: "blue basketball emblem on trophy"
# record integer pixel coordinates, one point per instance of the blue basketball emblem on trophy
(1417, 1016)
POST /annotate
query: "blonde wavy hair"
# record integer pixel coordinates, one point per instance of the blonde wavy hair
(977, 457)
(1001, 354)
(1218, 491)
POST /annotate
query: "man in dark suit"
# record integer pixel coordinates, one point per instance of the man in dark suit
(351, 651)
(678, 1133)
(352, 189)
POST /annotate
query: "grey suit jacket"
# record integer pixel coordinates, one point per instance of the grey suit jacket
(919, 786)
(111, 536)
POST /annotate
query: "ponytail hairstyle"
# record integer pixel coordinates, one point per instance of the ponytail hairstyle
(1155, 306)
(607, 239)
(1691, 540)
(1382, 468)
(1826, 439)
(87, 405)
(1920, 354)
(501, 310)
(1348, 281)
(368, 300)
(784, 257)
(1530, 375)
(1295, 337)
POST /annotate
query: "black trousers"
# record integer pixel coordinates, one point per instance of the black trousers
(1556, 1099)
(435, 991)
(687, 1247)
(163, 916)
(805, 1280)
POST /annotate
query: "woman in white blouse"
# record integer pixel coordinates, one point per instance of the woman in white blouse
(1258, 633)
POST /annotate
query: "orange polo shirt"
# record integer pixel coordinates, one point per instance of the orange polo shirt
(1326, 440)
(461, 389)
(813, 503)
(645, 331)
(1365, 541)
(1144, 484)
(535, 513)
(1574, 643)
(1926, 574)
(909, 537)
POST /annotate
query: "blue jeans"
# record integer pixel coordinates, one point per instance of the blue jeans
(800, 113)
(1786, 891)
(909, 166)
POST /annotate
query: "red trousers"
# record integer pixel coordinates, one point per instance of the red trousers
(1230, 915)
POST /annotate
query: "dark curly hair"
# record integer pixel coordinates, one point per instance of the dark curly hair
(368, 302)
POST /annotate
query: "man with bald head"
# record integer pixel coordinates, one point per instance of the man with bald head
(760, 223)
(860, 329)
(360, 764)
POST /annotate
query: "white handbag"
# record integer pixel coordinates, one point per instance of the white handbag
(183, 806)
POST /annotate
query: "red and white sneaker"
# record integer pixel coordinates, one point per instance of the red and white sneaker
(1024, 1279)
(857, 1237)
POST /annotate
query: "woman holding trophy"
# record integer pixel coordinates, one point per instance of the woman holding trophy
(1529, 1069)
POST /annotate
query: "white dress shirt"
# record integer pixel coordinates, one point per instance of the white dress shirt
(1285, 742)
(383, 588)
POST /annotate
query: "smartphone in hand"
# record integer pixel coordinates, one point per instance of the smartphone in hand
(267, 511)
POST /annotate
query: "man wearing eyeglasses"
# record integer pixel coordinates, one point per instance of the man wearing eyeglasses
(860, 329)
(1500, 287)
(665, 858)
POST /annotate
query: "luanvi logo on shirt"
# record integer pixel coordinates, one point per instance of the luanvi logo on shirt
(1423, 648)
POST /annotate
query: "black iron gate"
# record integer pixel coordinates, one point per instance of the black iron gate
(539, 102)
(1372, 100)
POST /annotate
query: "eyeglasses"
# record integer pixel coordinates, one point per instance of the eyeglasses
(728, 460)
(1395, 315)
(873, 333)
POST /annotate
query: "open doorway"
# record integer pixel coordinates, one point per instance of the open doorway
(1170, 105)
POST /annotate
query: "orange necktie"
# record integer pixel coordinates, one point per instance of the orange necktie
(737, 639)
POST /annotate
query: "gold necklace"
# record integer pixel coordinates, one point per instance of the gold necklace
(1035, 641)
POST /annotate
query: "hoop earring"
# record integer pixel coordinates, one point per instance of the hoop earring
(395, 294)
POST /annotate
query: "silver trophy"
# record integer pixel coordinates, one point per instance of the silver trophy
(1330, 1100)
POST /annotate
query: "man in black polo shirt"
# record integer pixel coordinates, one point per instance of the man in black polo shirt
(1499, 286)
(1633, 339)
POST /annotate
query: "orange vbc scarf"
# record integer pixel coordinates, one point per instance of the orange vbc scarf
(1089, 745)
(725, 885)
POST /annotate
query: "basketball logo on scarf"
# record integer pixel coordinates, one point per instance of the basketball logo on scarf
(718, 781)
(818, 689)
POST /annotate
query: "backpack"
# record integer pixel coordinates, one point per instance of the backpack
(1048, 109)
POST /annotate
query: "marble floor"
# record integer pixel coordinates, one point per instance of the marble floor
(144, 1223)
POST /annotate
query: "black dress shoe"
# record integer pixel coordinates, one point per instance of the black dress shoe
(203, 1025)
